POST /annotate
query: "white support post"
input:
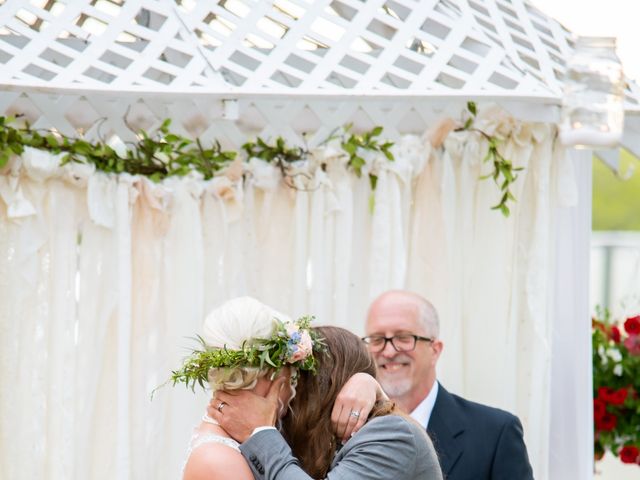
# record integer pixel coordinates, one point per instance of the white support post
(571, 433)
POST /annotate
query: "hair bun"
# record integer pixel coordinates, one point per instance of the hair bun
(239, 320)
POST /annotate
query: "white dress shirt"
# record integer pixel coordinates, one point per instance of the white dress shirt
(422, 413)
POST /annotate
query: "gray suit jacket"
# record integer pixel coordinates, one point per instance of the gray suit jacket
(388, 447)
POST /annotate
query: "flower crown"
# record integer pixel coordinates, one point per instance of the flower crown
(292, 343)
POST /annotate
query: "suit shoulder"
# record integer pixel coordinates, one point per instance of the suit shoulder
(387, 423)
(400, 429)
(476, 411)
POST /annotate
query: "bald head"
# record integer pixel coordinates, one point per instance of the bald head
(403, 300)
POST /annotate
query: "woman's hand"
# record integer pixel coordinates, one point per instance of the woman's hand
(240, 412)
(353, 404)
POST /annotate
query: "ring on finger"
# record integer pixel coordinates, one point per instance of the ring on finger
(220, 407)
(354, 413)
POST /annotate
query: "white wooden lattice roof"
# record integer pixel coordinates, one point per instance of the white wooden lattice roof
(228, 69)
(435, 47)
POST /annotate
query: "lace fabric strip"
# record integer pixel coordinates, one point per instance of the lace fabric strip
(199, 439)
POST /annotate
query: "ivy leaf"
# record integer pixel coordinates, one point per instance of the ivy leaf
(164, 127)
(17, 148)
(471, 106)
(52, 141)
(4, 157)
(156, 177)
(357, 163)
(376, 131)
(373, 181)
(350, 148)
(372, 202)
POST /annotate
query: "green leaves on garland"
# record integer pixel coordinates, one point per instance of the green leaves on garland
(276, 153)
(352, 143)
(503, 173)
(167, 154)
(11, 141)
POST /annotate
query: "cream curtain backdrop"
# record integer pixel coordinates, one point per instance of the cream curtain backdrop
(103, 279)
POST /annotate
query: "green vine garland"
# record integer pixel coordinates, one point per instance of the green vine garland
(503, 173)
(168, 154)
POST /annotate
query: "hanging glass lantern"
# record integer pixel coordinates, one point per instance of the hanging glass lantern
(592, 113)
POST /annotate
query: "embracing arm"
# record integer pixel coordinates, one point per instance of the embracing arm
(354, 403)
(511, 459)
(385, 448)
(244, 411)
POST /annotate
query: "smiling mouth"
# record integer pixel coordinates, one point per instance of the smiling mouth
(393, 366)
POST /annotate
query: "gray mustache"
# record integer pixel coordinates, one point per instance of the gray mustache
(398, 359)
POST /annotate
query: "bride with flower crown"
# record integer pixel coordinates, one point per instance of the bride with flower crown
(237, 326)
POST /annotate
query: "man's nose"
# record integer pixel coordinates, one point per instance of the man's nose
(388, 351)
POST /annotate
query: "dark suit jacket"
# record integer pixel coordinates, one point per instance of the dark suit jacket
(476, 442)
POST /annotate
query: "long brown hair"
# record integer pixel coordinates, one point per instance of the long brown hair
(307, 427)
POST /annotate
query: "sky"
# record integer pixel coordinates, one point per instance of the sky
(608, 18)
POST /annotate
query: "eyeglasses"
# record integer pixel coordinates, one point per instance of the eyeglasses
(401, 343)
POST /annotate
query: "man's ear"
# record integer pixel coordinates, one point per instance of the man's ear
(437, 346)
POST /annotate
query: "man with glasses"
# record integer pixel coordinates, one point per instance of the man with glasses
(473, 441)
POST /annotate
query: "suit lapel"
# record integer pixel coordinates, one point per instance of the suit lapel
(446, 429)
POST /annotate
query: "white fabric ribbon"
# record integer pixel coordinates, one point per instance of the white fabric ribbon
(40, 165)
(101, 191)
(78, 174)
(13, 196)
(264, 176)
(231, 195)
(155, 195)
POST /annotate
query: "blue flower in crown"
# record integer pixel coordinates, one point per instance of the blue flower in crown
(299, 344)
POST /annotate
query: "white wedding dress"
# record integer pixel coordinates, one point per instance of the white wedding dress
(201, 438)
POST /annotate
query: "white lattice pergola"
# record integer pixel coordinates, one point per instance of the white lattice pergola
(231, 68)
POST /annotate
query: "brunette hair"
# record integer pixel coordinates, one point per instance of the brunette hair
(307, 427)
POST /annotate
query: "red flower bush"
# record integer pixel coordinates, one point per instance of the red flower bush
(616, 383)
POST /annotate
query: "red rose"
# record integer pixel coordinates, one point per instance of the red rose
(605, 394)
(632, 342)
(599, 409)
(632, 325)
(614, 334)
(629, 454)
(607, 422)
(618, 397)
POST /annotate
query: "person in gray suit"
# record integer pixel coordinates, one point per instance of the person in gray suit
(473, 441)
(390, 445)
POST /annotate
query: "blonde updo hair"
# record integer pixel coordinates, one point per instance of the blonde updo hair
(230, 325)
